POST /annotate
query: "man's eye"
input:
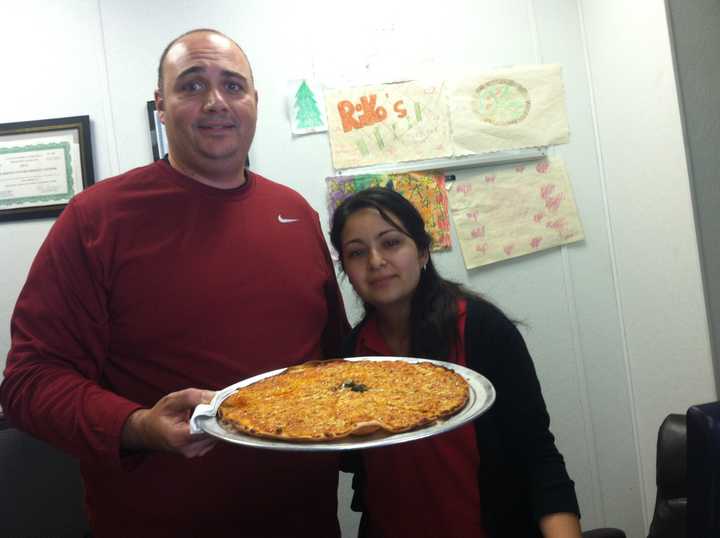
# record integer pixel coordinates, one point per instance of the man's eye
(192, 86)
(234, 87)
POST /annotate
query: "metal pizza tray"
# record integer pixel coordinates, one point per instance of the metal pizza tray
(480, 399)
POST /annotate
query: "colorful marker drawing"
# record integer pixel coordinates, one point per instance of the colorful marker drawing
(387, 123)
(501, 102)
(513, 108)
(426, 192)
(526, 209)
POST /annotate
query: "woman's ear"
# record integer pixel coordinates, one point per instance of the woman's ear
(424, 258)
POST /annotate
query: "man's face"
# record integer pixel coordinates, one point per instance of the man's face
(208, 104)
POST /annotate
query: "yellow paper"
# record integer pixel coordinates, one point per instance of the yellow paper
(509, 211)
(428, 194)
(512, 108)
(426, 191)
(387, 123)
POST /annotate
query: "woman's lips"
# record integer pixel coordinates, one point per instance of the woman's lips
(381, 281)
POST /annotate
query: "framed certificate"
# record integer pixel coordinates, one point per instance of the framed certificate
(43, 164)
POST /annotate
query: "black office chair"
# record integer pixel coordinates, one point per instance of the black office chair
(669, 518)
(604, 533)
(703, 470)
(41, 492)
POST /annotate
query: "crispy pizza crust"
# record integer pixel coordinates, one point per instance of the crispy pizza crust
(330, 400)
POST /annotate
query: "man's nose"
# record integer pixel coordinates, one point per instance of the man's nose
(215, 100)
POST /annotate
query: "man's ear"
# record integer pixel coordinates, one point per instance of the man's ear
(160, 106)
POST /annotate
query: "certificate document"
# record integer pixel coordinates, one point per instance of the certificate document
(39, 171)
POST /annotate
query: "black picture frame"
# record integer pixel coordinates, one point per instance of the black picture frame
(158, 137)
(43, 164)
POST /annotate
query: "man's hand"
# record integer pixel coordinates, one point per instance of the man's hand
(166, 426)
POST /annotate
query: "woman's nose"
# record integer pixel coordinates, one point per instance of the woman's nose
(375, 259)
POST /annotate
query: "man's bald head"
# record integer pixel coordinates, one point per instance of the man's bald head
(180, 37)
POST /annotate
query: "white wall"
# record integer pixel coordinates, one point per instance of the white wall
(616, 324)
(53, 63)
(643, 163)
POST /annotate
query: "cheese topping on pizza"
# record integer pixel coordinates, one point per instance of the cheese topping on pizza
(327, 400)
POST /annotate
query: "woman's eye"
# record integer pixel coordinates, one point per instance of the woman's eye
(392, 242)
(354, 253)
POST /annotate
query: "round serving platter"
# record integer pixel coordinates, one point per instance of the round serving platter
(480, 398)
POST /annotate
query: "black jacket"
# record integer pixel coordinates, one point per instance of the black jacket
(522, 476)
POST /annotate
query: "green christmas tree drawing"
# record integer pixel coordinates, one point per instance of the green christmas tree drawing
(308, 115)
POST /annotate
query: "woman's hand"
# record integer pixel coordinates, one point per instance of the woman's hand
(562, 525)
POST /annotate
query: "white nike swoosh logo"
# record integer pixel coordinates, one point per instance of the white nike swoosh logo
(283, 220)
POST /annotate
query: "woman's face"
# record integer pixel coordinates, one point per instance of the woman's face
(381, 261)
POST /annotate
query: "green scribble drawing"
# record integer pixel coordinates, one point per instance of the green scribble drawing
(394, 131)
(378, 138)
(418, 112)
(362, 147)
(308, 114)
(366, 181)
(501, 102)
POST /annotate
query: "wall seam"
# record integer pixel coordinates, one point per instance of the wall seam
(111, 132)
(613, 262)
(578, 354)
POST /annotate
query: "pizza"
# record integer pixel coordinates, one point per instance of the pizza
(330, 400)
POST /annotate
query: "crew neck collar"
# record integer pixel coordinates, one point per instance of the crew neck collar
(188, 183)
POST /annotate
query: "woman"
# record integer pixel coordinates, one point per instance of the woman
(498, 477)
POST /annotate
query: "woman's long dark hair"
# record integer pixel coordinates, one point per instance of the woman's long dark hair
(433, 311)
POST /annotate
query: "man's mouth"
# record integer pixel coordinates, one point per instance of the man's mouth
(216, 125)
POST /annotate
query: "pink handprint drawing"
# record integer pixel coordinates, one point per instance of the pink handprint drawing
(537, 217)
(464, 188)
(481, 248)
(542, 167)
(508, 249)
(478, 232)
(552, 203)
(490, 179)
(535, 242)
(546, 190)
(472, 215)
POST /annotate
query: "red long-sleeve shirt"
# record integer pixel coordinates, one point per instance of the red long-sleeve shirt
(149, 283)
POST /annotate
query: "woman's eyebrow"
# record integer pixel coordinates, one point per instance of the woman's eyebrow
(350, 241)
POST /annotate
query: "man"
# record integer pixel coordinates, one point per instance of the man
(190, 272)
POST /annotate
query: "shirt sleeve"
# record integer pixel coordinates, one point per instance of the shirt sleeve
(523, 421)
(59, 345)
